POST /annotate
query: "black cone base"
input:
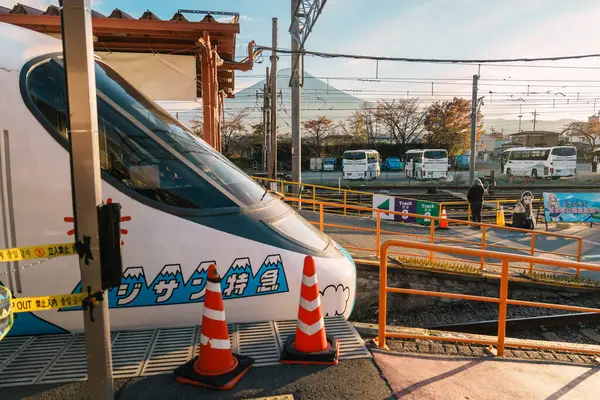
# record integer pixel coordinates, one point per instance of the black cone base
(186, 374)
(329, 356)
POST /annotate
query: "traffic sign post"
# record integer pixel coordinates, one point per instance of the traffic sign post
(79, 64)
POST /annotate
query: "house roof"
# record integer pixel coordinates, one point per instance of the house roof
(121, 32)
(528, 133)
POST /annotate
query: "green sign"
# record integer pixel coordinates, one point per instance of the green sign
(427, 208)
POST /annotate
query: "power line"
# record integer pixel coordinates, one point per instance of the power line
(426, 60)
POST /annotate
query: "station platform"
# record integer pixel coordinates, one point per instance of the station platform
(361, 241)
(429, 377)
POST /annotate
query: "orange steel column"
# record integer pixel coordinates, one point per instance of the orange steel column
(532, 252)
(483, 229)
(502, 311)
(378, 234)
(382, 295)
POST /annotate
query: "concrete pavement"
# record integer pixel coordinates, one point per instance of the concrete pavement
(425, 377)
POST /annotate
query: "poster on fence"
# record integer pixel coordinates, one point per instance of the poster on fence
(572, 207)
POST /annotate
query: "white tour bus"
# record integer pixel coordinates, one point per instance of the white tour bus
(426, 164)
(540, 162)
(361, 164)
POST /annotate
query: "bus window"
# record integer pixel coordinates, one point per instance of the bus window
(435, 155)
(564, 151)
(355, 155)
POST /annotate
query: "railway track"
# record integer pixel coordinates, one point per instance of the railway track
(569, 328)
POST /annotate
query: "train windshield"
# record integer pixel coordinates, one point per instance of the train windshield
(143, 146)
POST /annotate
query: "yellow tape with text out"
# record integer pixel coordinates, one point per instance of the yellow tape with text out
(42, 303)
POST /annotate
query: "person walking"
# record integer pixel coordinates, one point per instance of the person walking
(475, 199)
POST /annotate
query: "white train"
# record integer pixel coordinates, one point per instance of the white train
(184, 206)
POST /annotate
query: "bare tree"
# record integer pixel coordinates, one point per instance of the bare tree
(403, 119)
(317, 130)
(368, 112)
(233, 129)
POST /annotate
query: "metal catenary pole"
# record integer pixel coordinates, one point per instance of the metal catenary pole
(473, 129)
(268, 168)
(296, 93)
(274, 102)
(77, 37)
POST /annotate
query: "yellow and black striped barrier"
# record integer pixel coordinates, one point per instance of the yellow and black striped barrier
(35, 252)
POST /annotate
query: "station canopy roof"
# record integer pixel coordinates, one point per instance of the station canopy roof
(127, 39)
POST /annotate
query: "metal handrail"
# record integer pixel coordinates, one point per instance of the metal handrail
(502, 300)
(432, 222)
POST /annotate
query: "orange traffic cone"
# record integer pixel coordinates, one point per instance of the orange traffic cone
(310, 344)
(216, 366)
(443, 222)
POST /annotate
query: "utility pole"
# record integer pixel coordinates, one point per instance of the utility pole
(296, 98)
(78, 51)
(535, 114)
(267, 106)
(473, 128)
(264, 128)
(520, 116)
(273, 93)
(267, 94)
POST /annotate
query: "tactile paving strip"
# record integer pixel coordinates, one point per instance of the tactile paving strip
(30, 360)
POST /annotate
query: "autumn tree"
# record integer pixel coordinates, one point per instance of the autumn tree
(232, 130)
(448, 124)
(588, 131)
(402, 119)
(355, 126)
(197, 126)
(317, 130)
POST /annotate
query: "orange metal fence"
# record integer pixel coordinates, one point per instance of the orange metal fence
(431, 235)
(503, 301)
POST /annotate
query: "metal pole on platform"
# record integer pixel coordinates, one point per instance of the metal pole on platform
(274, 101)
(78, 50)
(473, 130)
(296, 99)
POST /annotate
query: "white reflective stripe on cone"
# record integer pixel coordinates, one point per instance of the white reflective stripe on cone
(214, 314)
(213, 287)
(310, 305)
(220, 344)
(311, 329)
(309, 280)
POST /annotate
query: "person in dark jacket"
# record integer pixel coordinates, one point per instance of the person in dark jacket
(475, 199)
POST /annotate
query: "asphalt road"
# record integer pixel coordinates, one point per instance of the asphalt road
(351, 379)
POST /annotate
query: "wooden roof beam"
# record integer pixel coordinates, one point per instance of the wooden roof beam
(114, 25)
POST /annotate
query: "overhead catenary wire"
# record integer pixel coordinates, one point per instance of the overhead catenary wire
(427, 60)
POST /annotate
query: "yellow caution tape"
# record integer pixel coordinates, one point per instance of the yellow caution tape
(29, 304)
(35, 252)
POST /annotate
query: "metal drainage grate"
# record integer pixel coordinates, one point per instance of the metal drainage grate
(351, 344)
(32, 360)
(61, 358)
(260, 342)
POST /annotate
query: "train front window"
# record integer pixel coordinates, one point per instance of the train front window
(143, 146)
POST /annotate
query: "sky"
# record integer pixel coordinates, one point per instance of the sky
(445, 29)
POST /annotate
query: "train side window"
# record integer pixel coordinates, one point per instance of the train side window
(127, 153)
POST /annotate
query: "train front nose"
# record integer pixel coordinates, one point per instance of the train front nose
(337, 283)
